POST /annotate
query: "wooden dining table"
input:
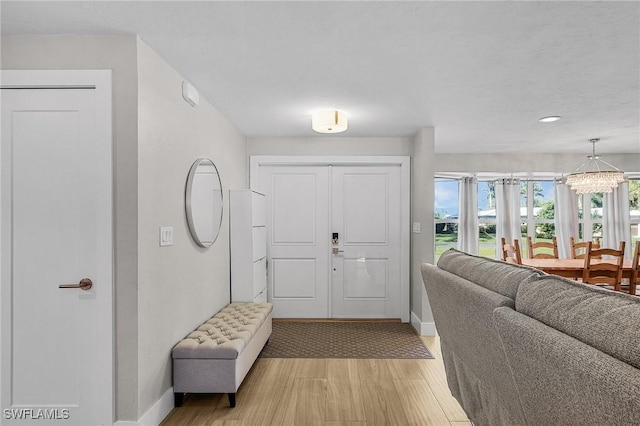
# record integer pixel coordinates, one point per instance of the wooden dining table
(571, 268)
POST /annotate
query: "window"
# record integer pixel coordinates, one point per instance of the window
(634, 210)
(446, 214)
(537, 213)
(487, 218)
(590, 216)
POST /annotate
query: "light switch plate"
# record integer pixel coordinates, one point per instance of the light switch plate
(166, 236)
(416, 228)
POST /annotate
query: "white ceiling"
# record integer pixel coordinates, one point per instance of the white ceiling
(481, 73)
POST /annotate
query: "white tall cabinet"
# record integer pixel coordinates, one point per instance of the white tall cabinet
(248, 233)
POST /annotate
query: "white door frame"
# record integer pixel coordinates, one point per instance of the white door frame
(100, 81)
(256, 161)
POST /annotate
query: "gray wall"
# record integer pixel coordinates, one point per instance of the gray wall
(329, 145)
(508, 163)
(117, 53)
(180, 286)
(161, 294)
(422, 211)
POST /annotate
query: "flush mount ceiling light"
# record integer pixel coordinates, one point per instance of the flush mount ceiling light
(330, 121)
(595, 175)
(550, 119)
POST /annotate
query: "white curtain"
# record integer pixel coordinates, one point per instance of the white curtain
(468, 215)
(507, 211)
(565, 217)
(615, 218)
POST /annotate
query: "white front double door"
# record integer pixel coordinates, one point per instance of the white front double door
(334, 240)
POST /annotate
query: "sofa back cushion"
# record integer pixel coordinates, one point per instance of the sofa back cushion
(607, 320)
(563, 381)
(495, 275)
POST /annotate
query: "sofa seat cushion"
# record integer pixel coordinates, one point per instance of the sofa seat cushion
(495, 275)
(600, 318)
(226, 334)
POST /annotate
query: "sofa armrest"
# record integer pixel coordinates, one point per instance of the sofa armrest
(474, 360)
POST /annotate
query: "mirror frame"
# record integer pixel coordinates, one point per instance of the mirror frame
(188, 203)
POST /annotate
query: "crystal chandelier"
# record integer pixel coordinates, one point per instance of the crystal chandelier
(595, 175)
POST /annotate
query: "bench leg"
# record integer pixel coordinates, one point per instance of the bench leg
(178, 398)
(232, 399)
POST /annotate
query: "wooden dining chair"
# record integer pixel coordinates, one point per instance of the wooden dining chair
(579, 249)
(544, 245)
(598, 271)
(511, 252)
(635, 273)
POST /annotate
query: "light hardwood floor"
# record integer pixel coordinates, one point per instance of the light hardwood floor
(332, 392)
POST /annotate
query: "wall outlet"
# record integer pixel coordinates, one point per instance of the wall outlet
(166, 236)
(416, 228)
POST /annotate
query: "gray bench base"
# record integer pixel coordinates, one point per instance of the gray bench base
(218, 375)
(178, 399)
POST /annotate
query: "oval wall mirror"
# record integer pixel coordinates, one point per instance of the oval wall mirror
(203, 202)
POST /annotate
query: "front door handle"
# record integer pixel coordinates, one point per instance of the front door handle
(336, 251)
(84, 284)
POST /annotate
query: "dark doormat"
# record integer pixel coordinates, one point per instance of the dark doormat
(344, 339)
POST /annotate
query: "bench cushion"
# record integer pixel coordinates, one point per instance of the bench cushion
(226, 334)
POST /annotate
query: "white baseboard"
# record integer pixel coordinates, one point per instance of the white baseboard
(155, 414)
(159, 411)
(423, 328)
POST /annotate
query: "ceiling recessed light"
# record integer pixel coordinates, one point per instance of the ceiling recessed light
(550, 119)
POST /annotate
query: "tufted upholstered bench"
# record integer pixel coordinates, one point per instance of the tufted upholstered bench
(217, 356)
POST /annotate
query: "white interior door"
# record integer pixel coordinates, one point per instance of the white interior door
(57, 343)
(366, 259)
(362, 203)
(298, 243)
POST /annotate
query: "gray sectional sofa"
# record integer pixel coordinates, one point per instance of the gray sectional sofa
(521, 347)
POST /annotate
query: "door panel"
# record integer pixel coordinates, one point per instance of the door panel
(294, 208)
(294, 279)
(363, 196)
(259, 242)
(56, 229)
(298, 246)
(259, 276)
(36, 379)
(366, 278)
(366, 269)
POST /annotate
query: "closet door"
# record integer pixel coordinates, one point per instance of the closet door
(56, 293)
(298, 239)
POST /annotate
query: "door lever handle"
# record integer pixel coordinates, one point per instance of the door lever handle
(84, 284)
(336, 251)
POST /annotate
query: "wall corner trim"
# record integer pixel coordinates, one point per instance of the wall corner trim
(423, 328)
(158, 411)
